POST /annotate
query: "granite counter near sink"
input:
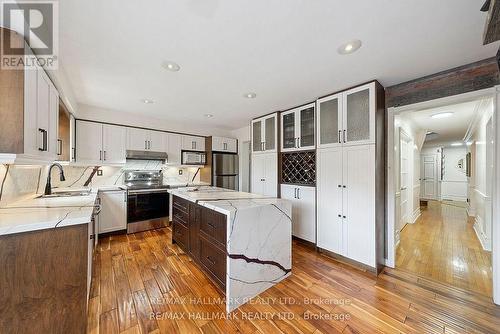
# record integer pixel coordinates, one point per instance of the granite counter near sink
(258, 239)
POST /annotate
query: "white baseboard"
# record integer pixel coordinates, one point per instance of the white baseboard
(483, 239)
(415, 215)
(454, 198)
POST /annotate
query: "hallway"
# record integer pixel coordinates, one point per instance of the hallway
(443, 246)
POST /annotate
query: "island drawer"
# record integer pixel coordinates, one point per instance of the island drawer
(180, 204)
(180, 235)
(179, 215)
(214, 225)
(214, 260)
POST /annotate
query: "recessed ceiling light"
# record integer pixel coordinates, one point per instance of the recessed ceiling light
(209, 115)
(456, 144)
(349, 47)
(250, 95)
(170, 66)
(147, 101)
(442, 115)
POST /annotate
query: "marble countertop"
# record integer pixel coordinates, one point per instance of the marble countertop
(32, 213)
(223, 200)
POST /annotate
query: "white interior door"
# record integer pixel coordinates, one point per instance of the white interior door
(359, 203)
(329, 197)
(429, 176)
(404, 181)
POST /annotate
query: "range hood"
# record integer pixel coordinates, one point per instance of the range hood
(147, 155)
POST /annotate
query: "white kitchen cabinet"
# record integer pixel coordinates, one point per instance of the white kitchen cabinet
(303, 210)
(265, 134)
(113, 216)
(223, 144)
(264, 174)
(329, 199)
(145, 140)
(114, 150)
(174, 147)
(347, 118)
(346, 202)
(193, 143)
(88, 142)
(297, 129)
(98, 143)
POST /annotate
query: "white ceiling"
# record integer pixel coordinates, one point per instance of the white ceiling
(285, 51)
(449, 130)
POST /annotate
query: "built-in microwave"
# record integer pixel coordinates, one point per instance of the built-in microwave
(193, 158)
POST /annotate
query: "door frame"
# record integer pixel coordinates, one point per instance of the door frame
(494, 93)
(410, 176)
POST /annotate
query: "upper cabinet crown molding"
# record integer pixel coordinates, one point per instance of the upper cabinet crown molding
(29, 109)
(265, 134)
(298, 129)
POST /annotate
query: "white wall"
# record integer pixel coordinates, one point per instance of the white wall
(454, 183)
(125, 118)
(243, 135)
(480, 182)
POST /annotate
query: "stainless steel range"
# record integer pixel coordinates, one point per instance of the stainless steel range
(147, 206)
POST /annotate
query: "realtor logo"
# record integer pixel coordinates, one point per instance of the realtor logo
(37, 21)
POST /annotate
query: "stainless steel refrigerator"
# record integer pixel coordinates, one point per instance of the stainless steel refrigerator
(225, 170)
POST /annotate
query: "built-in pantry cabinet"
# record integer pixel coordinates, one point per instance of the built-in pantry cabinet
(350, 174)
(297, 129)
(303, 210)
(265, 134)
(98, 143)
(29, 110)
(264, 174)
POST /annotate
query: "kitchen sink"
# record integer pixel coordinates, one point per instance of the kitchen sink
(66, 194)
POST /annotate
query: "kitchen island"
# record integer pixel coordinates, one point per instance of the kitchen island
(242, 241)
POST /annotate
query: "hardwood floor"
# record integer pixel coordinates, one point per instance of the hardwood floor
(442, 245)
(138, 274)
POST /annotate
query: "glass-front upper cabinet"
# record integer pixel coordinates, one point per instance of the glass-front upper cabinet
(298, 129)
(347, 118)
(264, 134)
(359, 115)
(330, 132)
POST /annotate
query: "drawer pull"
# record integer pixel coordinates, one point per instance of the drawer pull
(211, 225)
(211, 260)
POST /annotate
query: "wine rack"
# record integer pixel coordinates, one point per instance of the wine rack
(298, 168)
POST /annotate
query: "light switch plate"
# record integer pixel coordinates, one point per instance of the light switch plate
(99, 172)
(180, 171)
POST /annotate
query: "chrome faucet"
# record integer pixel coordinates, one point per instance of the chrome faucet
(48, 186)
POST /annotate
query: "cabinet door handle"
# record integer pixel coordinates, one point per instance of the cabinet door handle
(145, 144)
(210, 259)
(344, 136)
(44, 140)
(298, 142)
(59, 147)
(340, 135)
(340, 216)
(100, 155)
(344, 217)
(211, 225)
(295, 193)
(104, 155)
(298, 193)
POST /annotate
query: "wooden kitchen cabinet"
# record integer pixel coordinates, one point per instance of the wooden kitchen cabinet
(113, 216)
(29, 109)
(201, 233)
